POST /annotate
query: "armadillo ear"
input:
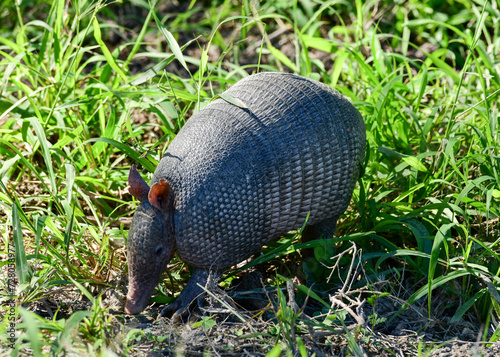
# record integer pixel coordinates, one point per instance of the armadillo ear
(137, 186)
(159, 194)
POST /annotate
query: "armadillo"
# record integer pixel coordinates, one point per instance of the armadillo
(242, 172)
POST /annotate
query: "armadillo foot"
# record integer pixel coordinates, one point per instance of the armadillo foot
(194, 290)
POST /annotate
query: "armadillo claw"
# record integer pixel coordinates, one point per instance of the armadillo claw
(180, 308)
(176, 310)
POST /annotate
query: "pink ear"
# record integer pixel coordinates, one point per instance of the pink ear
(160, 193)
(137, 186)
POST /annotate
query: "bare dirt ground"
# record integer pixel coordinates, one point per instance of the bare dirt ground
(237, 331)
(248, 319)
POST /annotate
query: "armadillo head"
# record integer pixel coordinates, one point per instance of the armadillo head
(151, 242)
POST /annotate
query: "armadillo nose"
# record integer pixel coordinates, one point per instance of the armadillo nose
(134, 305)
(138, 297)
(132, 308)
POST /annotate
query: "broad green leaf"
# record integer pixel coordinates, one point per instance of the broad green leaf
(276, 351)
(231, 100)
(446, 68)
(206, 323)
(391, 153)
(320, 43)
(73, 321)
(415, 163)
(150, 73)
(282, 58)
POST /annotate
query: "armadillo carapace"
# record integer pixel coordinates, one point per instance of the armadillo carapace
(241, 172)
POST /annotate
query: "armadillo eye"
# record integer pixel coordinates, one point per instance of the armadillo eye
(159, 250)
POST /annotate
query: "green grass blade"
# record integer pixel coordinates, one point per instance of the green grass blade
(443, 66)
(73, 322)
(382, 99)
(139, 39)
(70, 181)
(25, 162)
(30, 324)
(22, 267)
(282, 58)
(457, 317)
(436, 250)
(146, 162)
(307, 291)
(275, 351)
(423, 85)
(156, 69)
(105, 51)
(174, 46)
(67, 238)
(415, 163)
(474, 183)
(436, 283)
(39, 225)
(83, 290)
(45, 152)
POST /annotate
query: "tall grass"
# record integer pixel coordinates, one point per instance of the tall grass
(78, 107)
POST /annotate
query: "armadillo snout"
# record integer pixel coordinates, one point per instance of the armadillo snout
(150, 247)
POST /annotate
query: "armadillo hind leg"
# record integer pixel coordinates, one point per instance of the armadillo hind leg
(321, 230)
(194, 290)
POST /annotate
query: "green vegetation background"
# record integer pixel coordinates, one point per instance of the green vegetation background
(88, 88)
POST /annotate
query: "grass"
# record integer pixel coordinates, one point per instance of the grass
(88, 88)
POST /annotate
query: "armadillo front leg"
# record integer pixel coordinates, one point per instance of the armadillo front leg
(193, 290)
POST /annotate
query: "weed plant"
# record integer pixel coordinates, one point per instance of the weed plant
(89, 87)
